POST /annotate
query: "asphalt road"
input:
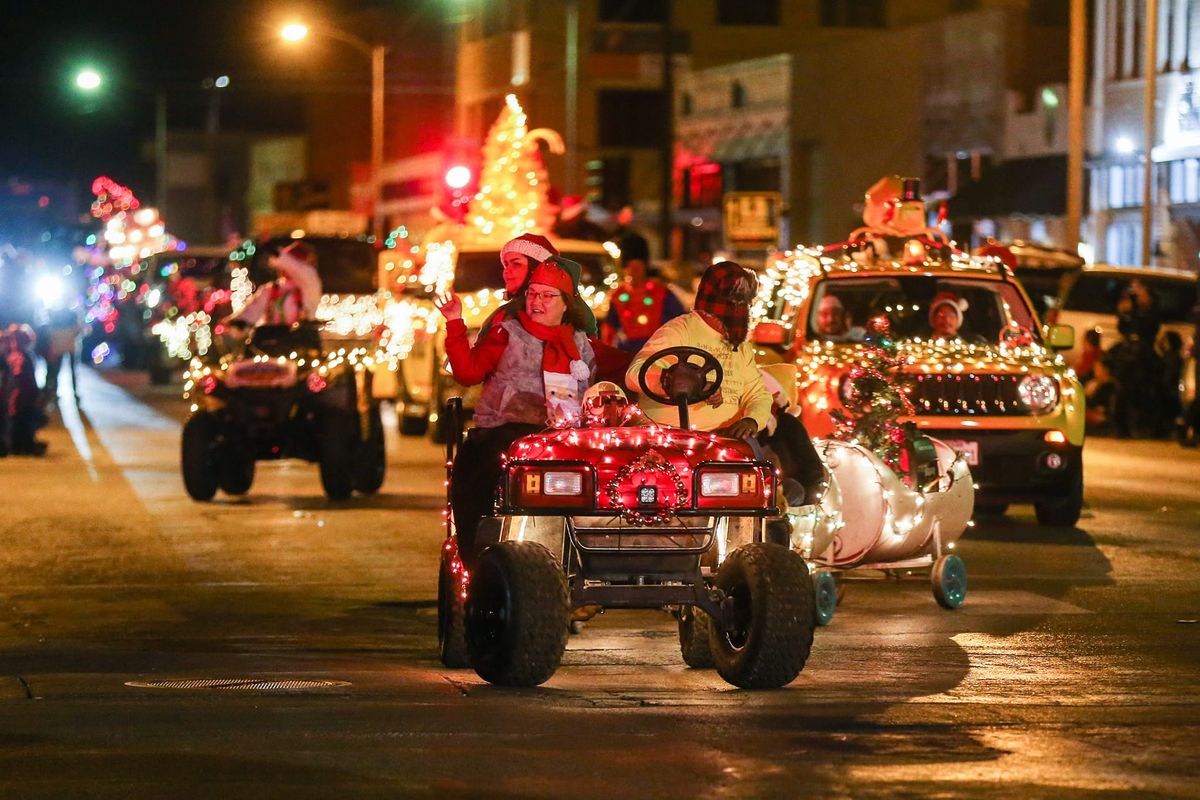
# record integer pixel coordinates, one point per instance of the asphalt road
(1073, 669)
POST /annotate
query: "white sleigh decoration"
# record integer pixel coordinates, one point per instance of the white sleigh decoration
(868, 518)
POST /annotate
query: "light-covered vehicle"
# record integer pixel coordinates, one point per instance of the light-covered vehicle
(414, 332)
(996, 391)
(282, 395)
(634, 515)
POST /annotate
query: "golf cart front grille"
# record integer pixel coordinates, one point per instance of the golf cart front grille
(614, 535)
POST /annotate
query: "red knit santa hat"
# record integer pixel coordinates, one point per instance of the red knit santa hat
(530, 245)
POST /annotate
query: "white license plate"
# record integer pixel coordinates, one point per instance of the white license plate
(968, 450)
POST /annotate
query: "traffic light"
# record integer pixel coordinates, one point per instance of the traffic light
(459, 184)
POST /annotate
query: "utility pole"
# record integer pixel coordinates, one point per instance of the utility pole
(1075, 132)
(571, 77)
(1150, 68)
(378, 54)
(668, 135)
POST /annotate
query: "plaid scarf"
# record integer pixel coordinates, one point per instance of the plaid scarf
(724, 294)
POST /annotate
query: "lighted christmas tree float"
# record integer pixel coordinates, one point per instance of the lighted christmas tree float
(877, 396)
(514, 193)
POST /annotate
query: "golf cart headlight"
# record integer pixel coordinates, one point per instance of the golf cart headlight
(1039, 393)
(560, 484)
(720, 484)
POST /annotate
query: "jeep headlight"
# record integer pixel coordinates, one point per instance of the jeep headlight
(1038, 393)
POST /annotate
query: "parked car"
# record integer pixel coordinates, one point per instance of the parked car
(998, 392)
(414, 331)
(1089, 300)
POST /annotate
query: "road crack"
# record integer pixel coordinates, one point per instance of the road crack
(25, 685)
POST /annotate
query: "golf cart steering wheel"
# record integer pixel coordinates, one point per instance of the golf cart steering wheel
(686, 381)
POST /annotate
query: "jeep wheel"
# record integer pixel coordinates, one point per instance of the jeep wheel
(1063, 511)
(452, 639)
(370, 465)
(337, 437)
(695, 632)
(517, 614)
(199, 456)
(773, 617)
(237, 470)
(826, 592)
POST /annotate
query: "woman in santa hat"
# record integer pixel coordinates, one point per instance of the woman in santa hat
(534, 366)
(946, 315)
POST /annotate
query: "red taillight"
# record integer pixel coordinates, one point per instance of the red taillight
(208, 384)
(316, 382)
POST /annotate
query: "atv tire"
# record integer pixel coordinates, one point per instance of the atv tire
(518, 614)
(773, 617)
(370, 465)
(199, 455)
(695, 638)
(452, 637)
(337, 438)
(236, 474)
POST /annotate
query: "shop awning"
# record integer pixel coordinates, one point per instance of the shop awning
(1031, 186)
(763, 144)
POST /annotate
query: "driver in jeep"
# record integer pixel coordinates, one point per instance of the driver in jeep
(291, 297)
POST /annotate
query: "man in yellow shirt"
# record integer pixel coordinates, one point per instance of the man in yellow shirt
(717, 325)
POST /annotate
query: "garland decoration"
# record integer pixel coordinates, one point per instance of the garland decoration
(875, 391)
(653, 462)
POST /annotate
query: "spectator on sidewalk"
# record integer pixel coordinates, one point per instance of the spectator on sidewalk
(63, 343)
(24, 396)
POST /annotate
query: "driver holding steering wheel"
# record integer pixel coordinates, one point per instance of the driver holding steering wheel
(717, 325)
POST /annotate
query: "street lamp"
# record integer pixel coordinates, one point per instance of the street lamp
(89, 80)
(297, 31)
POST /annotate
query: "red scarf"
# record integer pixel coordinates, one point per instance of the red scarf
(559, 349)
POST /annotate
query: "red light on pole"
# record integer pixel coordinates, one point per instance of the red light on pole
(458, 176)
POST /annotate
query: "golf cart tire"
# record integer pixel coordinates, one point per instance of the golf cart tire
(772, 635)
(452, 637)
(198, 456)
(236, 472)
(1063, 512)
(338, 435)
(370, 465)
(695, 638)
(518, 614)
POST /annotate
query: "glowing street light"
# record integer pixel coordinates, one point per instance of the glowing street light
(294, 31)
(89, 80)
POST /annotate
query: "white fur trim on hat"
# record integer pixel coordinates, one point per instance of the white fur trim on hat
(526, 248)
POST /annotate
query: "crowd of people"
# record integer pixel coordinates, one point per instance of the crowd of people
(1132, 387)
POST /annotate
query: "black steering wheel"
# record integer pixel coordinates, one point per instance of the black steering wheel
(683, 380)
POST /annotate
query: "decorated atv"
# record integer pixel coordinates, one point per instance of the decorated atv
(624, 513)
(282, 396)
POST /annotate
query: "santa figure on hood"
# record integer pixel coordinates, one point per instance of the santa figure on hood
(293, 296)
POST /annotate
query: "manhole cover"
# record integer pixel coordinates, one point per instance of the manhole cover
(237, 684)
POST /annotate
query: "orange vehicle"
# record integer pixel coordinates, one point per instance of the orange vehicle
(992, 384)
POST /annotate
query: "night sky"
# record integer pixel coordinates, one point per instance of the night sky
(52, 131)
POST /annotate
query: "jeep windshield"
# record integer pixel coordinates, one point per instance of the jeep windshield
(987, 311)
